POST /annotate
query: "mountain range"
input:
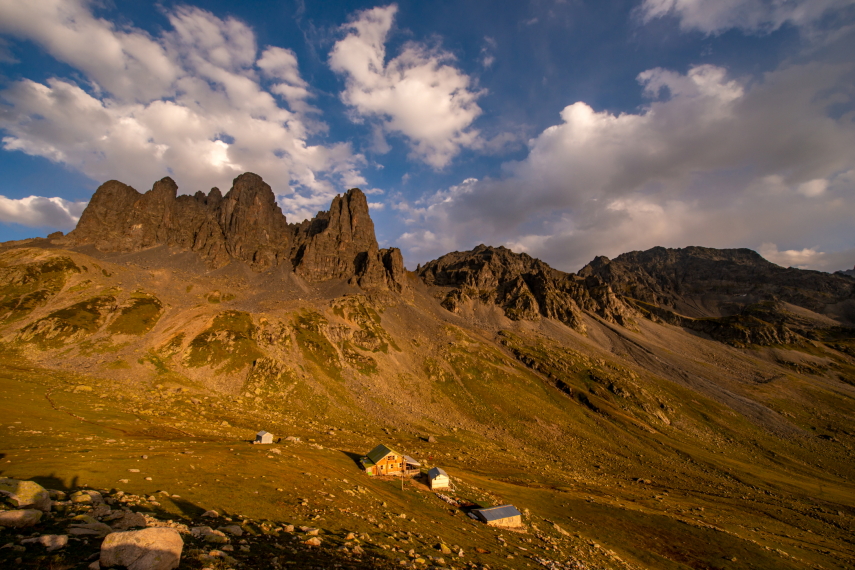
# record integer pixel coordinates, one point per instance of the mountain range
(680, 408)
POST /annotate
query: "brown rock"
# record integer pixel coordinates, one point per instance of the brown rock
(148, 549)
(20, 518)
(245, 225)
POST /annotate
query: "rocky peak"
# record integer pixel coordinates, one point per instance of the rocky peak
(246, 225)
(524, 287)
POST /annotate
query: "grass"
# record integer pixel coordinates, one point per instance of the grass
(138, 316)
(228, 344)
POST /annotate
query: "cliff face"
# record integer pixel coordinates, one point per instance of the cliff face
(246, 225)
(525, 288)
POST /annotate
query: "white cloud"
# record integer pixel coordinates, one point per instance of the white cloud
(191, 103)
(416, 94)
(717, 16)
(40, 212)
(710, 161)
(809, 258)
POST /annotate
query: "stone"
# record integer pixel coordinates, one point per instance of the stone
(314, 541)
(87, 496)
(357, 550)
(148, 549)
(25, 494)
(232, 529)
(57, 495)
(90, 529)
(20, 518)
(442, 547)
(215, 538)
(129, 520)
(211, 514)
(50, 541)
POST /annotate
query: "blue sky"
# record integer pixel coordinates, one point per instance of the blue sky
(566, 129)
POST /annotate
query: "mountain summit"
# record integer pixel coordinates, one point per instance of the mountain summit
(245, 225)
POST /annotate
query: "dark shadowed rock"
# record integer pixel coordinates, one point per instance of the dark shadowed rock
(524, 287)
(246, 225)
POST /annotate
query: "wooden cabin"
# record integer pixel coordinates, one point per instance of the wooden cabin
(383, 460)
(263, 437)
(438, 479)
(506, 516)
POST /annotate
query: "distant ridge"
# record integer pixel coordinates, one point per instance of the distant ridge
(245, 225)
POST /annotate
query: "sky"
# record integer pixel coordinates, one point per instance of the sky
(565, 129)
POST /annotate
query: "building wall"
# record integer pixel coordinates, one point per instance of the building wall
(439, 483)
(507, 522)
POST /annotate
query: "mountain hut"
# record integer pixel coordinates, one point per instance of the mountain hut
(263, 437)
(437, 479)
(506, 516)
(383, 460)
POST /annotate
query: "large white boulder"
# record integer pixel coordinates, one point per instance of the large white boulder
(148, 549)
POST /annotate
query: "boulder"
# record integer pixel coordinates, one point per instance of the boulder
(129, 520)
(50, 541)
(87, 496)
(232, 529)
(25, 494)
(147, 549)
(20, 518)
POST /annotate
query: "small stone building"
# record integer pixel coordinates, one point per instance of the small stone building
(437, 479)
(506, 516)
(383, 460)
(263, 437)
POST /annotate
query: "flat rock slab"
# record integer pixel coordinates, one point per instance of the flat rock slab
(25, 494)
(20, 518)
(147, 549)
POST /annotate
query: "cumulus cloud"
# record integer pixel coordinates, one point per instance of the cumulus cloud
(40, 212)
(416, 94)
(198, 103)
(717, 16)
(710, 160)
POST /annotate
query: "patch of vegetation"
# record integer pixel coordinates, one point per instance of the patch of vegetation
(229, 343)
(217, 297)
(172, 346)
(371, 335)
(137, 317)
(308, 328)
(118, 365)
(71, 323)
(26, 286)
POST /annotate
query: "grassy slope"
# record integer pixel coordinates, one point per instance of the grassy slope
(550, 421)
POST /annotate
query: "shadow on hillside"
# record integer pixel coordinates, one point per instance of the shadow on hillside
(355, 457)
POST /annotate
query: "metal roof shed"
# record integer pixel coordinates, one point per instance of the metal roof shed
(438, 478)
(263, 437)
(504, 516)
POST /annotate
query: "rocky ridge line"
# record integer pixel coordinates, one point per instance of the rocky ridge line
(245, 225)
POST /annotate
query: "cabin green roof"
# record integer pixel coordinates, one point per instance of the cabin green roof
(379, 453)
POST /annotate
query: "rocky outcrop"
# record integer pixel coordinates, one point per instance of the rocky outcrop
(706, 282)
(732, 295)
(524, 287)
(245, 225)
